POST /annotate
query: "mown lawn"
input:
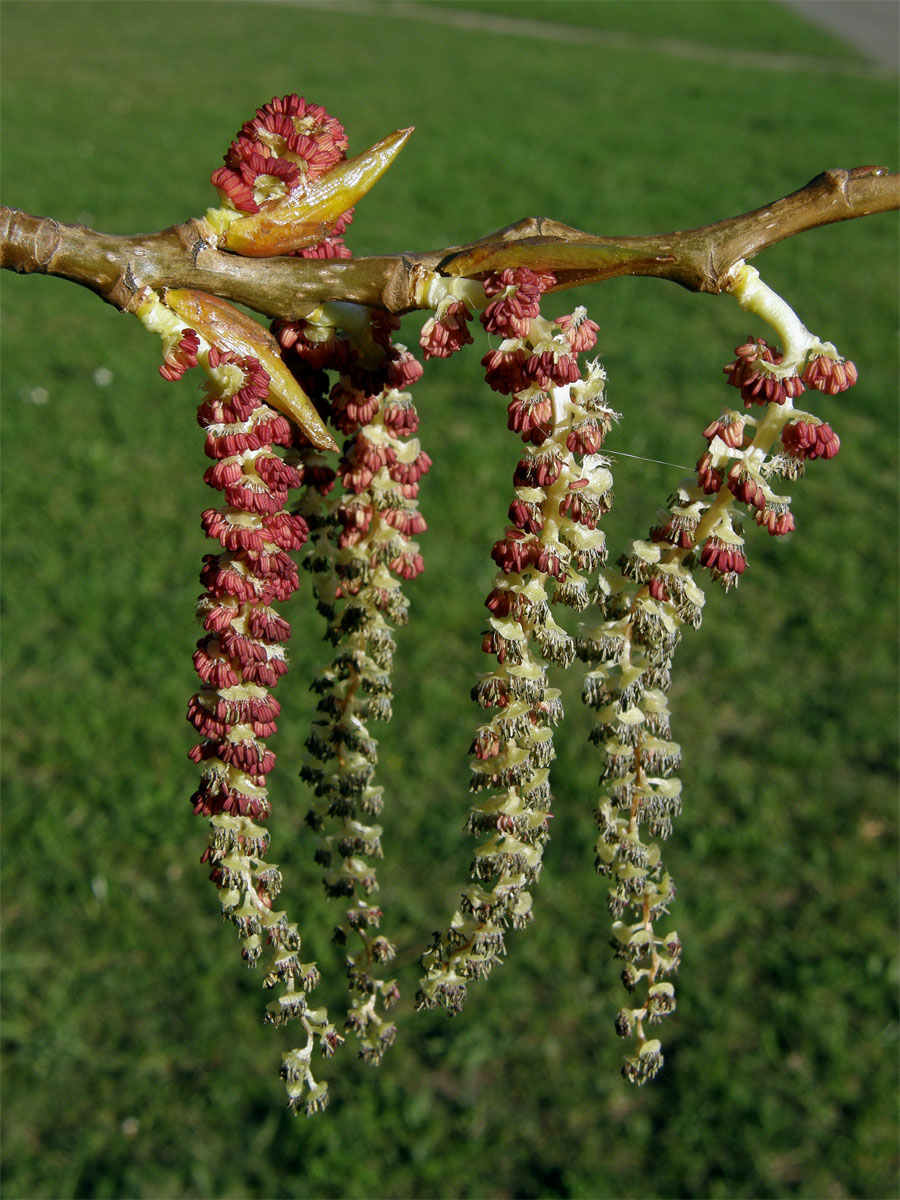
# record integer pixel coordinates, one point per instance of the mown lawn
(136, 1064)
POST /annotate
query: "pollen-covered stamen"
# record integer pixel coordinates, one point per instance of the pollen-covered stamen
(253, 176)
(294, 117)
(729, 428)
(329, 247)
(253, 160)
(808, 438)
(579, 330)
(247, 382)
(505, 368)
(407, 521)
(316, 341)
(402, 368)
(586, 437)
(745, 486)
(531, 414)
(777, 522)
(678, 532)
(351, 407)
(709, 477)
(746, 372)
(525, 513)
(540, 469)
(447, 331)
(410, 464)
(722, 557)
(399, 415)
(830, 375)
(181, 356)
(263, 428)
(234, 189)
(551, 365)
(518, 291)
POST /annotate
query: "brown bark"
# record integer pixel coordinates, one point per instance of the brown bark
(184, 256)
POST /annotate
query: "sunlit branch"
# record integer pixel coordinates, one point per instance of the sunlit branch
(117, 268)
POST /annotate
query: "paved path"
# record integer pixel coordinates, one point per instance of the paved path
(792, 58)
(872, 26)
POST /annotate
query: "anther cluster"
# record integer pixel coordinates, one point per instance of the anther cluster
(362, 549)
(546, 556)
(645, 605)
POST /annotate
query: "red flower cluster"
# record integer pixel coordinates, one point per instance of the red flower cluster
(778, 522)
(729, 428)
(307, 130)
(830, 376)
(518, 302)
(579, 330)
(447, 331)
(242, 653)
(676, 532)
(744, 486)
(181, 357)
(758, 386)
(288, 142)
(709, 477)
(530, 414)
(504, 370)
(810, 439)
(721, 558)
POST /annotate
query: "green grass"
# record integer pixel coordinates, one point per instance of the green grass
(136, 1064)
(685, 27)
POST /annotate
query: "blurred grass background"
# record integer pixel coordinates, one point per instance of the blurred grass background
(135, 1060)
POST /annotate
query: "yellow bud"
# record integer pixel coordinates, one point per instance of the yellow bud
(310, 211)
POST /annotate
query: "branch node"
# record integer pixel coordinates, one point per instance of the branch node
(837, 179)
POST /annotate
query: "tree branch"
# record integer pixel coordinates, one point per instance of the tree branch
(185, 256)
